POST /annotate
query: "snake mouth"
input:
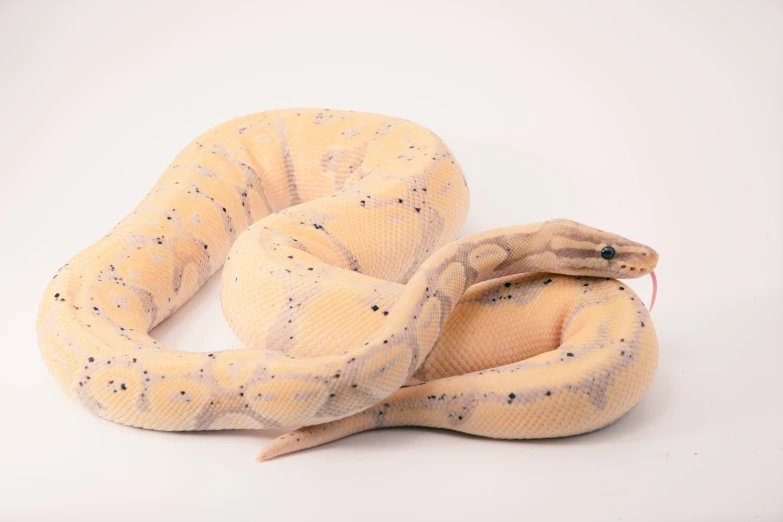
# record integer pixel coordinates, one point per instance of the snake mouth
(638, 264)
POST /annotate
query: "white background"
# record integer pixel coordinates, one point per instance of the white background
(661, 121)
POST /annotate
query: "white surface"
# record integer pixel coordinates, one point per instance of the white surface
(661, 122)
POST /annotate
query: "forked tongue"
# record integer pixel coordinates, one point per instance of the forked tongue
(655, 289)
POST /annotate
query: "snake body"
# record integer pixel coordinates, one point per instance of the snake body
(357, 306)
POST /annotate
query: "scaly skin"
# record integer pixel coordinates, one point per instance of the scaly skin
(343, 279)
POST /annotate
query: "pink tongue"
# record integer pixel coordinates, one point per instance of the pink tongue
(655, 289)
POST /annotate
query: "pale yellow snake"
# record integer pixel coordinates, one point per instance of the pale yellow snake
(344, 281)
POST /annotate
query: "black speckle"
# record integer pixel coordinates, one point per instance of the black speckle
(569, 354)
(91, 359)
(374, 308)
(548, 393)
(507, 285)
(182, 393)
(512, 396)
(547, 281)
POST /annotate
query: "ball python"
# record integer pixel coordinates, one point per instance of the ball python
(357, 306)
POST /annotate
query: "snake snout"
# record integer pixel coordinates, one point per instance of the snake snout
(640, 263)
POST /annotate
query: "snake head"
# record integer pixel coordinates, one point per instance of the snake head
(584, 250)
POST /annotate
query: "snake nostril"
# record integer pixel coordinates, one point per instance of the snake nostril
(633, 268)
(644, 253)
(623, 266)
(641, 270)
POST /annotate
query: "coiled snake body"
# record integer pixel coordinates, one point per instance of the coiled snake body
(357, 307)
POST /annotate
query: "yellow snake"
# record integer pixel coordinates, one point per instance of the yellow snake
(357, 306)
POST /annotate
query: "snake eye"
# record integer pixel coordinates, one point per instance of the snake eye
(607, 252)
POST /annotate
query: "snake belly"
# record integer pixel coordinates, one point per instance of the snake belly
(344, 281)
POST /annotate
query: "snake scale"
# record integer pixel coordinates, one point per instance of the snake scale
(357, 306)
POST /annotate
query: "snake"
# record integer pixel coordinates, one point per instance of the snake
(357, 305)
